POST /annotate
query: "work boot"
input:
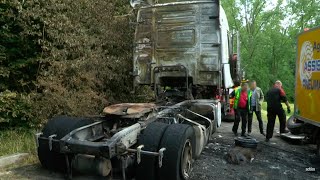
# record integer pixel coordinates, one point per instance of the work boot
(264, 134)
(267, 139)
(244, 135)
(235, 133)
(285, 131)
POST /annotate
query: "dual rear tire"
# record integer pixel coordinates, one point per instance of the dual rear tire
(60, 126)
(178, 139)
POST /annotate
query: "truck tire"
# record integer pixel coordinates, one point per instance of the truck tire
(294, 126)
(246, 142)
(150, 138)
(178, 140)
(60, 125)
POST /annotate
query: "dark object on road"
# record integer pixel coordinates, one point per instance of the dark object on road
(240, 155)
(247, 142)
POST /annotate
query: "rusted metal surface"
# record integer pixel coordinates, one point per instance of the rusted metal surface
(185, 33)
(129, 109)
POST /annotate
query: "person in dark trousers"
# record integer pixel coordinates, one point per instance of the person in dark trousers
(256, 103)
(274, 97)
(241, 106)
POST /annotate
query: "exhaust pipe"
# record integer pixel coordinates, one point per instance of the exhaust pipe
(239, 57)
(87, 164)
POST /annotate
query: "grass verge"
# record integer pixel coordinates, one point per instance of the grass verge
(18, 141)
(264, 111)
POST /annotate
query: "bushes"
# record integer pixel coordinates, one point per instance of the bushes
(89, 56)
(19, 48)
(15, 110)
(79, 58)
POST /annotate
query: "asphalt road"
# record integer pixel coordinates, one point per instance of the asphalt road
(277, 159)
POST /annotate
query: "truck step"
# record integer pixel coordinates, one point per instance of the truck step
(293, 136)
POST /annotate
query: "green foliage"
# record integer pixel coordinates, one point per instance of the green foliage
(71, 57)
(89, 53)
(19, 48)
(15, 109)
(268, 36)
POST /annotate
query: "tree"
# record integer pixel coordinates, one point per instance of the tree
(267, 41)
(19, 47)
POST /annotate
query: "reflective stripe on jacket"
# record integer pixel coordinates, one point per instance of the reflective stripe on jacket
(237, 98)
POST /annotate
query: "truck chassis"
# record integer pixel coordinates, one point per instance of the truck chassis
(131, 140)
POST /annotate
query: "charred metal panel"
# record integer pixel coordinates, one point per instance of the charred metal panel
(129, 110)
(143, 50)
(209, 63)
(186, 33)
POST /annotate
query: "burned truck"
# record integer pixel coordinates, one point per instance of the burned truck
(183, 51)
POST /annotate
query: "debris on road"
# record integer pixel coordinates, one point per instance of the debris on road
(240, 155)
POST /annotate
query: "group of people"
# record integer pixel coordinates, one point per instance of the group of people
(248, 100)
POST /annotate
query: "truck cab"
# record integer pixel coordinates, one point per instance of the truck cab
(184, 45)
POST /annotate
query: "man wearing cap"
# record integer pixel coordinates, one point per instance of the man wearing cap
(241, 106)
(274, 97)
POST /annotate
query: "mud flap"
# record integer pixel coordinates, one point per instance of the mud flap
(200, 140)
(217, 114)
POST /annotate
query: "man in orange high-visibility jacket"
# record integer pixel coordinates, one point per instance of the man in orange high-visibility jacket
(242, 107)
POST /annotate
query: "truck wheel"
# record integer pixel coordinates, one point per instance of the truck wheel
(60, 125)
(294, 126)
(246, 142)
(178, 140)
(150, 138)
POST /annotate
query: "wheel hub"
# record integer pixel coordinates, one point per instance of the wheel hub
(186, 160)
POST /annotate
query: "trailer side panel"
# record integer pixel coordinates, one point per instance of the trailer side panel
(307, 100)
